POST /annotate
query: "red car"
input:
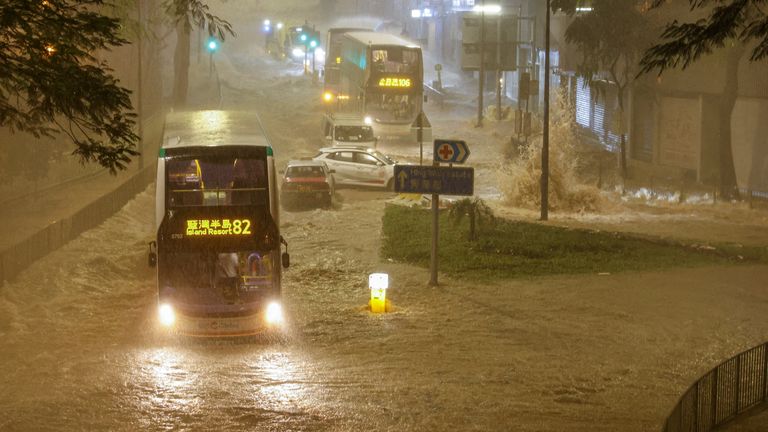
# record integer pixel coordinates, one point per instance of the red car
(307, 181)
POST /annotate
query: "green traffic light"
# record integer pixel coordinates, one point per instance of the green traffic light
(212, 45)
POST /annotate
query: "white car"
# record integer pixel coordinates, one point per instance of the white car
(359, 166)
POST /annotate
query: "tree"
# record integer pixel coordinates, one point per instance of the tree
(185, 13)
(476, 209)
(731, 25)
(51, 82)
(610, 38)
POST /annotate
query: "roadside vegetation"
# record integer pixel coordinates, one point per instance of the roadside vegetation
(508, 249)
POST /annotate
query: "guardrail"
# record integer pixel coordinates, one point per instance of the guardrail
(735, 386)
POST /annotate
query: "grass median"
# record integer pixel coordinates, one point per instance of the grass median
(506, 249)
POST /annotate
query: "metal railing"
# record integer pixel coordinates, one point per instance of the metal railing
(735, 386)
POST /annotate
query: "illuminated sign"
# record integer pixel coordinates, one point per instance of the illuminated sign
(218, 227)
(395, 82)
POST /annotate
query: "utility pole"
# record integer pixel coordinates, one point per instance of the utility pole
(498, 67)
(545, 137)
(481, 77)
(139, 92)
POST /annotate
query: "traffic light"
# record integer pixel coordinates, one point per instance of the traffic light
(313, 39)
(212, 45)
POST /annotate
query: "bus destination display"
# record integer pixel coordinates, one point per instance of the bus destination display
(395, 82)
(218, 227)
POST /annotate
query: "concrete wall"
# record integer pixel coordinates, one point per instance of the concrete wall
(18, 257)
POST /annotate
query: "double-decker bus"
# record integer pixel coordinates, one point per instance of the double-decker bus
(332, 68)
(218, 247)
(380, 77)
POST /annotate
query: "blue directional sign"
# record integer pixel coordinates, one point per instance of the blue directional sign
(450, 151)
(434, 180)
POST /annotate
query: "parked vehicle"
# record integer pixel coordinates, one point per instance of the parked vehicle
(307, 181)
(359, 166)
(347, 129)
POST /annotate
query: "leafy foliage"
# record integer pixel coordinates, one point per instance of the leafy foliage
(610, 38)
(51, 81)
(476, 210)
(744, 21)
(197, 13)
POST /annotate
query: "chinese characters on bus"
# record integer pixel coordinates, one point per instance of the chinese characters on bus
(218, 227)
(394, 82)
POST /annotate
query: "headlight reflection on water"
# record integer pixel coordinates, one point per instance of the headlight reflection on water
(278, 381)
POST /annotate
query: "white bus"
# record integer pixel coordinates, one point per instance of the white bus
(218, 247)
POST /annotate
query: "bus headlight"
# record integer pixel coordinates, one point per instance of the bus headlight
(167, 315)
(274, 315)
(328, 96)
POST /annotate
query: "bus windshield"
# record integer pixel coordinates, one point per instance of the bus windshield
(392, 108)
(216, 180)
(397, 60)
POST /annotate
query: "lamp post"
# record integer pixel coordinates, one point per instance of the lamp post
(481, 77)
(545, 135)
(139, 93)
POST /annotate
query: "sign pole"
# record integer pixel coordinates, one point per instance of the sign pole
(420, 138)
(435, 231)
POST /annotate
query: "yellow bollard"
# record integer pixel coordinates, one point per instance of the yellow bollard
(378, 283)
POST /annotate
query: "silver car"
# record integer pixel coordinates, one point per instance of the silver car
(359, 166)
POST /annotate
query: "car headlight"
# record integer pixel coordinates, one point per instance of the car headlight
(167, 315)
(274, 315)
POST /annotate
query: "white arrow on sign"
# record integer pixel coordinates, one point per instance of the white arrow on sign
(402, 177)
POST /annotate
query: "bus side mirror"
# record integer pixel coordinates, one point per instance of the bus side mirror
(286, 260)
(152, 261)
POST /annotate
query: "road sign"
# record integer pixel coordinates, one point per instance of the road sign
(450, 151)
(421, 128)
(434, 180)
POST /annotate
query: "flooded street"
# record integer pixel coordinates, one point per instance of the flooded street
(80, 347)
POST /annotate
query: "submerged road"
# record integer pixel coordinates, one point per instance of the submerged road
(80, 349)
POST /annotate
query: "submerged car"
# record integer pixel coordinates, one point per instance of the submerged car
(307, 181)
(359, 166)
(346, 130)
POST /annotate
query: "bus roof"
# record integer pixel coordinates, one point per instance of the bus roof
(214, 128)
(374, 38)
(336, 30)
